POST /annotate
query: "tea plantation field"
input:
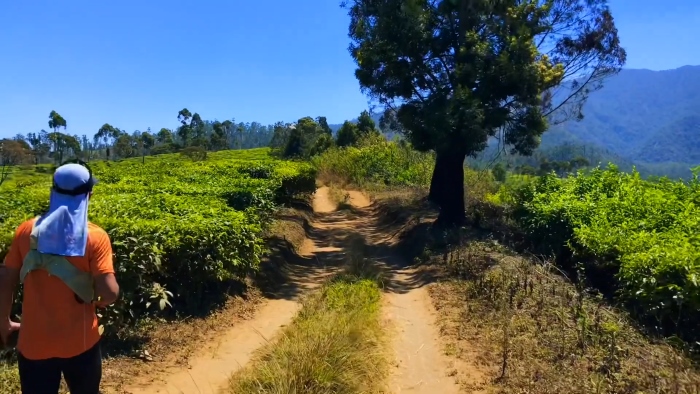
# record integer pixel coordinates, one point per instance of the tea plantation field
(179, 228)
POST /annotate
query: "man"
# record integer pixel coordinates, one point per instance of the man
(65, 264)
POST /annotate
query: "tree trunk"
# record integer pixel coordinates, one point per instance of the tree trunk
(447, 188)
(437, 179)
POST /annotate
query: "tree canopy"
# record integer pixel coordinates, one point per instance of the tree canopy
(56, 121)
(451, 74)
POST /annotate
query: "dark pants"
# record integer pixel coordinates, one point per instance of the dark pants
(82, 373)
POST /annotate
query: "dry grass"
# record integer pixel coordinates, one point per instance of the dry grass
(335, 345)
(339, 196)
(9, 377)
(532, 331)
(290, 225)
(326, 177)
(399, 198)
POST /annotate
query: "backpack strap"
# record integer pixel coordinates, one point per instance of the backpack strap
(34, 236)
(80, 282)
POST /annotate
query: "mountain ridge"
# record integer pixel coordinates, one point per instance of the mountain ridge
(648, 118)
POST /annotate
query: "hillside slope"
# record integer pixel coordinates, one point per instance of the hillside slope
(642, 115)
(678, 139)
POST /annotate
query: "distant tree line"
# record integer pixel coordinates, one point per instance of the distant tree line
(561, 167)
(111, 143)
(308, 136)
(193, 137)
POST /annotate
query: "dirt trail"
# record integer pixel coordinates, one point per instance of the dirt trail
(209, 371)
(421, 366)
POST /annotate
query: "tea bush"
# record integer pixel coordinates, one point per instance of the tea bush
(637, 238)
(179, 227)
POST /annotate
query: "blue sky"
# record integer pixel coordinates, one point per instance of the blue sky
(136, 64)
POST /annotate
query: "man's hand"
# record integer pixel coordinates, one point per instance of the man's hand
(99, 303)
(6, 329)
(106, 290)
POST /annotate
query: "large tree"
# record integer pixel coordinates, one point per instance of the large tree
(347, 134)
(143, 142)
(452, 74)
(218, 139)
(56, 121)
(365, 124)
(12, 153)
(125, 146)
(58, 140)
(227, 126)
(165, 136)
(280, 135)
(148, 140)
(198, 130)
(108, 135)
(184, 131)
(64, 145)
(306, 138)
(323, 122)
(40, 145)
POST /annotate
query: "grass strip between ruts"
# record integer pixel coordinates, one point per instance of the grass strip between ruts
(336, 344)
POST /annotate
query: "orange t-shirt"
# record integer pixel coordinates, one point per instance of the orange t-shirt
(54, 324)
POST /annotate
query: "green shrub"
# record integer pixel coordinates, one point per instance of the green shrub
(179, 228)
(376, 161)
(634, 237)
(194, 153)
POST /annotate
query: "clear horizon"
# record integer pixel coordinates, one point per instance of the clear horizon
(136, 65)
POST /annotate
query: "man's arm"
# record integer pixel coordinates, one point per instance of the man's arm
(106, 286)
(9, 278)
